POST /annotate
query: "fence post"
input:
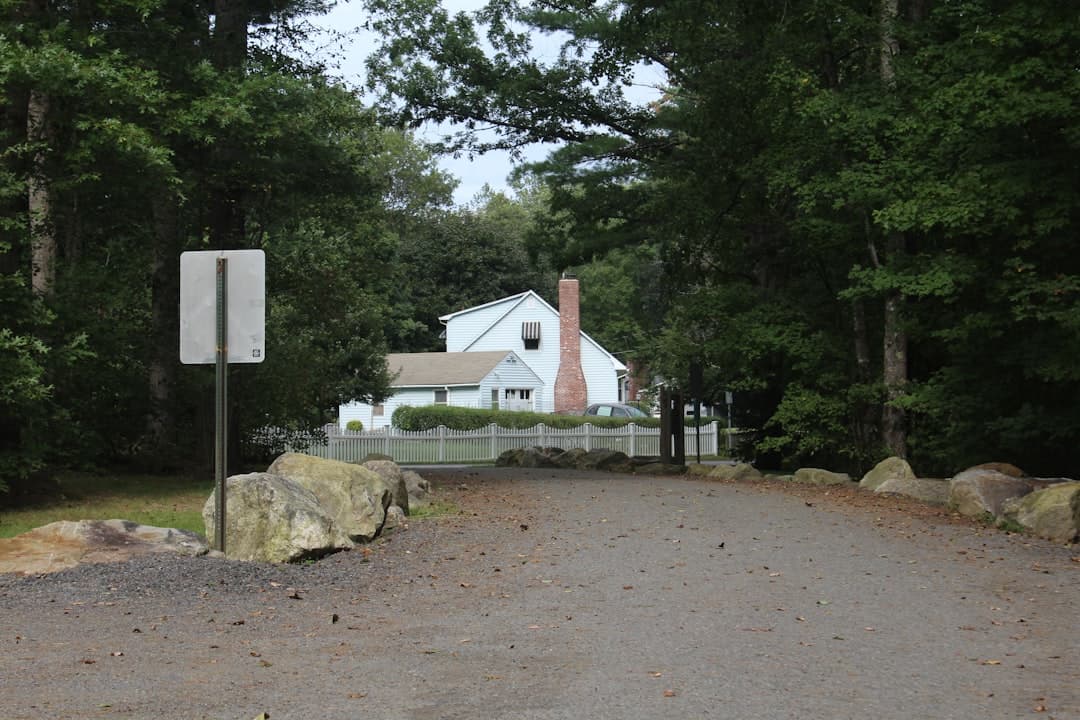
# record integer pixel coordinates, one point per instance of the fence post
(386, 442)
(542, 443)
(633, 439)
(442, 443)
(588, 437)
(493, 428)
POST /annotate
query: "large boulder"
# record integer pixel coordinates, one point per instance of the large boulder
(698, 469)
(739, 472)
(603, 459)
(817, 476)
(978, 491)
(1001, 467)
(929, 490)
(569, 460)
(389, 471)
(510, 458)
(1052, 513)
(538, 457)
(272, 518)
(893, 468)
(354, 496)
(68, 543)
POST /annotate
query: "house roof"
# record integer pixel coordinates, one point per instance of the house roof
(438, 369)
(512, 301)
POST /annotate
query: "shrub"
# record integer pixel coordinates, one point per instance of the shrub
(429, 417)
(354, 426)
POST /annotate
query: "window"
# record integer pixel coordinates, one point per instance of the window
(378, 410)
(494, 398)
(530, 334)
(441, 397)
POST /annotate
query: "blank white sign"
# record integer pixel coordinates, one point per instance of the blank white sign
(246, 288)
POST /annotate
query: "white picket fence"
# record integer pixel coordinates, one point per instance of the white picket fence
(443, 445)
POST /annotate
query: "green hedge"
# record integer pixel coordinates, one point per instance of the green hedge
(457, 418)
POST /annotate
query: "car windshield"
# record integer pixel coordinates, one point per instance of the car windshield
(634, 412)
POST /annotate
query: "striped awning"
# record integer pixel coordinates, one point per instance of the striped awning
(530, 330)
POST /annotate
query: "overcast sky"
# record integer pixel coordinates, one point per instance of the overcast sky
(491, 169)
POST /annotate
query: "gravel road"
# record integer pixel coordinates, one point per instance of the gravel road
(562, 594)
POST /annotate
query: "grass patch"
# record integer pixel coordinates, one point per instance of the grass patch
(435, 508)
(164, 501)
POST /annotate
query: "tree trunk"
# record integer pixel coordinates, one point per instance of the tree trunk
(895, 352)
(164, 318)
(895, 363)
(42, 236)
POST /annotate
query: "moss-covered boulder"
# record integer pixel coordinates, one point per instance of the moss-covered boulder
(271, 518)
(739, 472)
(389, 471)
(893, 468)
(933, 491)
(981, 490)
(354, 496)
(1052, 513)
(659, 468)
(818, 476)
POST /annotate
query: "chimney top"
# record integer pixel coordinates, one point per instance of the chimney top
(567, 275)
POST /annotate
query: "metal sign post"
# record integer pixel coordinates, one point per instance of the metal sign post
(221, 396)
(222, 321)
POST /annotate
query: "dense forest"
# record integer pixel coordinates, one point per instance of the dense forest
(857, 215)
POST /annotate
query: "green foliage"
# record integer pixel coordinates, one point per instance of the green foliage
(429, 417)
(354, 426)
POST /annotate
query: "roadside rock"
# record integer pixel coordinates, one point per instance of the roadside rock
(928, 490)
(739, 472)
(893, 468)
(353, 496)
(65, 544)
(1003, 468)
(419, 488)
(395, 521)
(980, 490)
(537, 457)
(600, 459)
(698, 469)
(1052, 513)
(271, 518)
(570, 459)
(389, 471)
(817, 476)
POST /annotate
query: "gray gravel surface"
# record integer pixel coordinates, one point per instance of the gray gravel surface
(561, 594)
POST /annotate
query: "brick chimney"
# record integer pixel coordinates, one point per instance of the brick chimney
(571, 392)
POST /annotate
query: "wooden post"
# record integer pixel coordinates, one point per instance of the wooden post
(665, 425)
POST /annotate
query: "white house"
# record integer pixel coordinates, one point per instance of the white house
(518, 351)
(575, 369)
(489, 379)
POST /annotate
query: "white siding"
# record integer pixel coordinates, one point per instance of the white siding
(600, 375)
(506, 335)
(510, 373)
(467, 333)
(463, 329)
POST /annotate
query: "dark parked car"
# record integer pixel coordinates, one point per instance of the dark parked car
(619, 410)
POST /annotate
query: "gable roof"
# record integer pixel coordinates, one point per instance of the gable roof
(513, 301)
(438, 369)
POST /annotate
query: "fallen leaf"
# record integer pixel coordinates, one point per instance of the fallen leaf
(669, 693)
(657, 674)
(356, 696)
(117, 653)
(991, 662)
(1039, 708)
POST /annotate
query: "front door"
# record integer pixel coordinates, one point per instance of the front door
(518, 399)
